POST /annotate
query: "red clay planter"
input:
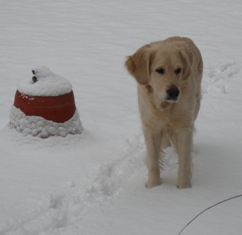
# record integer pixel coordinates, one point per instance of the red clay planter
(53, 108)
(45, 106)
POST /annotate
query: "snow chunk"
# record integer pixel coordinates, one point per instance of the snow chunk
(38, 126)
(45, 83)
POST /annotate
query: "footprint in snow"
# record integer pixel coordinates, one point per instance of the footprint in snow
(216, 79)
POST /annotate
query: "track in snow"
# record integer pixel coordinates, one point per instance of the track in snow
(68, 207)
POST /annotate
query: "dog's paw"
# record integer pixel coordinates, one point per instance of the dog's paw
(184, 184)
(153, 182)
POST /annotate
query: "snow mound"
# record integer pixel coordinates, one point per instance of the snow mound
(45, 83)
(38, 126)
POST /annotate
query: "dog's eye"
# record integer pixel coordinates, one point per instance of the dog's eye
(177, 71)
(160, 71)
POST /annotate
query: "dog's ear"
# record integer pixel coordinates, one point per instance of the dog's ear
(187, 60)
(139, 63)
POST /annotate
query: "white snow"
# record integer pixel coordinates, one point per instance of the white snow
(38, 126)
(47, 84)
(94, 183)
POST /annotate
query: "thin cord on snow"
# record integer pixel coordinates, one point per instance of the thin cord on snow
(228, 199)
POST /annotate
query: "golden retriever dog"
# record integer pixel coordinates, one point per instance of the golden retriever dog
(168, 75)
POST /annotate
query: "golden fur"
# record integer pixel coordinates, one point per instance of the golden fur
(168, 75)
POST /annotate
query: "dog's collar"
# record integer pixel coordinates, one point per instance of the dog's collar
(149, 88)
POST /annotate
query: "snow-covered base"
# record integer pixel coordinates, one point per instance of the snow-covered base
(38, 126)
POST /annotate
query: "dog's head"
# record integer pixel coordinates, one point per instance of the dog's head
(162, 67)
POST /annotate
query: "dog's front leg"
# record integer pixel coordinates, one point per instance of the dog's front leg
(153, 144)
(183, 144)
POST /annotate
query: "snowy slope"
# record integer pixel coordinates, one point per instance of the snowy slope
(93, 183)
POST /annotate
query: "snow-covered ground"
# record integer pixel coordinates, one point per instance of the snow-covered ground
(94, 183)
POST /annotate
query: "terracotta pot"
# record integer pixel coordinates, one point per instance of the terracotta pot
(54, 108)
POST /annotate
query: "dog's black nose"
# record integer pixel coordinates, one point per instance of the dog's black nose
(172, 93)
